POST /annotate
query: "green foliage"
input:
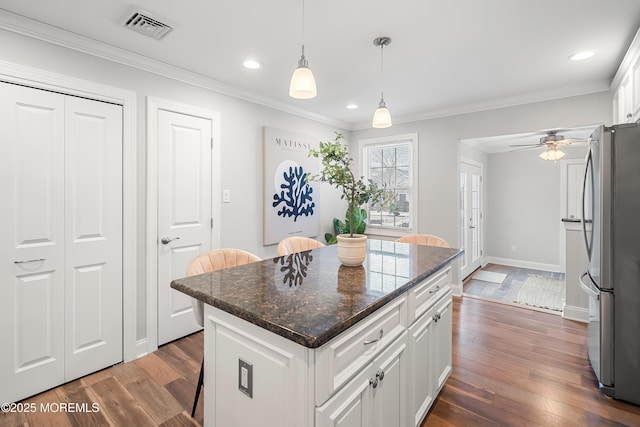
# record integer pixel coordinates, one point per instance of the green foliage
(336, 170)
(344, 227)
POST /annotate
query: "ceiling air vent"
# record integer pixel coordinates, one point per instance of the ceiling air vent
(146, 23)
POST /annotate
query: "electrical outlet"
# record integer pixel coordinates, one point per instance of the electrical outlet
(226, 196)
(513, 248)
(245, 377)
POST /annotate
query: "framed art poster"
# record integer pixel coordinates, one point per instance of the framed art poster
(290, 203)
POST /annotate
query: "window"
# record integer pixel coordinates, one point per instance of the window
(389, 162)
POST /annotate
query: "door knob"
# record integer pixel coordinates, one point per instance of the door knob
(166, 240)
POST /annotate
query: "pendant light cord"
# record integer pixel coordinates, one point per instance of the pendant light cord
(303, 26)
(382, 70)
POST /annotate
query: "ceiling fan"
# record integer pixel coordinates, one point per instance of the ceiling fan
(551, 141)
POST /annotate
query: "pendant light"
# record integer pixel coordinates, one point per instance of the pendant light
(382, 117)
(303, 85)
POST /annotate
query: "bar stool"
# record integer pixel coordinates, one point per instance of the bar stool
(206, 263)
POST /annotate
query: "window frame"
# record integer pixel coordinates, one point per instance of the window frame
(411, 140)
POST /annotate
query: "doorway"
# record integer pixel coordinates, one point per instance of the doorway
(183, 210)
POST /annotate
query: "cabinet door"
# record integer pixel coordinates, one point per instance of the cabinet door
(442, 349)
(390, 393)
(351, 406)
(625, 92)
(421, 365)
(31, 241)
(635, 81)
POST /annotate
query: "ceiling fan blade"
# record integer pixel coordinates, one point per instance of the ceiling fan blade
(526, 145)
(525, 148)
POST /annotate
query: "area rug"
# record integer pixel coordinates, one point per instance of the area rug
(489, 276)
(542, 292)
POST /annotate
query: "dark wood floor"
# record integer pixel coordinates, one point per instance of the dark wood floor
(511, 367)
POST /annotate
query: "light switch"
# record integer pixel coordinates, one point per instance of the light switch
(226, 196)
(245, 377)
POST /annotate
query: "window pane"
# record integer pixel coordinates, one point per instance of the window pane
(389, 157)
(389, 175)
(402, 177)
(402, 156)
(389, 166)
(375, 174)
(375, 157)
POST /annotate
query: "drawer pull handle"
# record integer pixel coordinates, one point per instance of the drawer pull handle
(28, 260)
(436, 317)
(435, 290)
(379, 377)
(376, 340)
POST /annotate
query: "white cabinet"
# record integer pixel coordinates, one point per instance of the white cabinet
(384, 371)
(376, 397)
(60, 238)
(624, 100)
(430, 356)
(626, 95)
(442, 351)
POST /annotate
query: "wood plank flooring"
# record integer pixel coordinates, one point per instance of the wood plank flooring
(511, 367)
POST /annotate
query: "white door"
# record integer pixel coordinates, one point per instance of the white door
(470, 217)
(60, 239)
(31, 241)
(93, 236)
(184, 213)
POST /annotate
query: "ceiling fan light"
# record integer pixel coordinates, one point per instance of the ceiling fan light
(303, 84)
(552, 154)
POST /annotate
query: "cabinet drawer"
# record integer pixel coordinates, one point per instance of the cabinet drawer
(347, 354)
(421, 297)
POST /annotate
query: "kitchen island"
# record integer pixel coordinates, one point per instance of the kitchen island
(300, 340)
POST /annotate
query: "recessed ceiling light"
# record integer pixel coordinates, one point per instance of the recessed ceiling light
(352, 106)
(581, 55)
(251, 64)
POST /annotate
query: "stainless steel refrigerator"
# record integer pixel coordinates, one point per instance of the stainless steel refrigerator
(611, 228)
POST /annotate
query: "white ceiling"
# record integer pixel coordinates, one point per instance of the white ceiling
(446, 56)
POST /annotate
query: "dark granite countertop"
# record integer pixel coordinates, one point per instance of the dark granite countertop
(309, 297)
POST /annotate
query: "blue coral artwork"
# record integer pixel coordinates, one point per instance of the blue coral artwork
(295, 196)
(291, 204)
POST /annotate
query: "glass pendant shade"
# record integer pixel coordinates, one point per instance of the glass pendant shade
(552, 154)
(303, 84)
(382, 117)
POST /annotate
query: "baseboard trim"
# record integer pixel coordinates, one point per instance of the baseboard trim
(456, 289)
(578, 314)
(523, 264)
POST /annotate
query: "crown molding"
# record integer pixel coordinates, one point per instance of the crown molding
(627, 62)
(50, 34)
(494, 104)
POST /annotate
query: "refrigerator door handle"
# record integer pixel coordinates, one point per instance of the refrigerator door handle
(585, 287)
(589, 164)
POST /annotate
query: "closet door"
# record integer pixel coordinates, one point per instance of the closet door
(31, 241)
(93, 236)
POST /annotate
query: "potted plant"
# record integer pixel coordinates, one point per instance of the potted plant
(336, 170)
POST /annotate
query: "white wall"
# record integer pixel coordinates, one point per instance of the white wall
(241, 143)
(439, 151)
(523, 207)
